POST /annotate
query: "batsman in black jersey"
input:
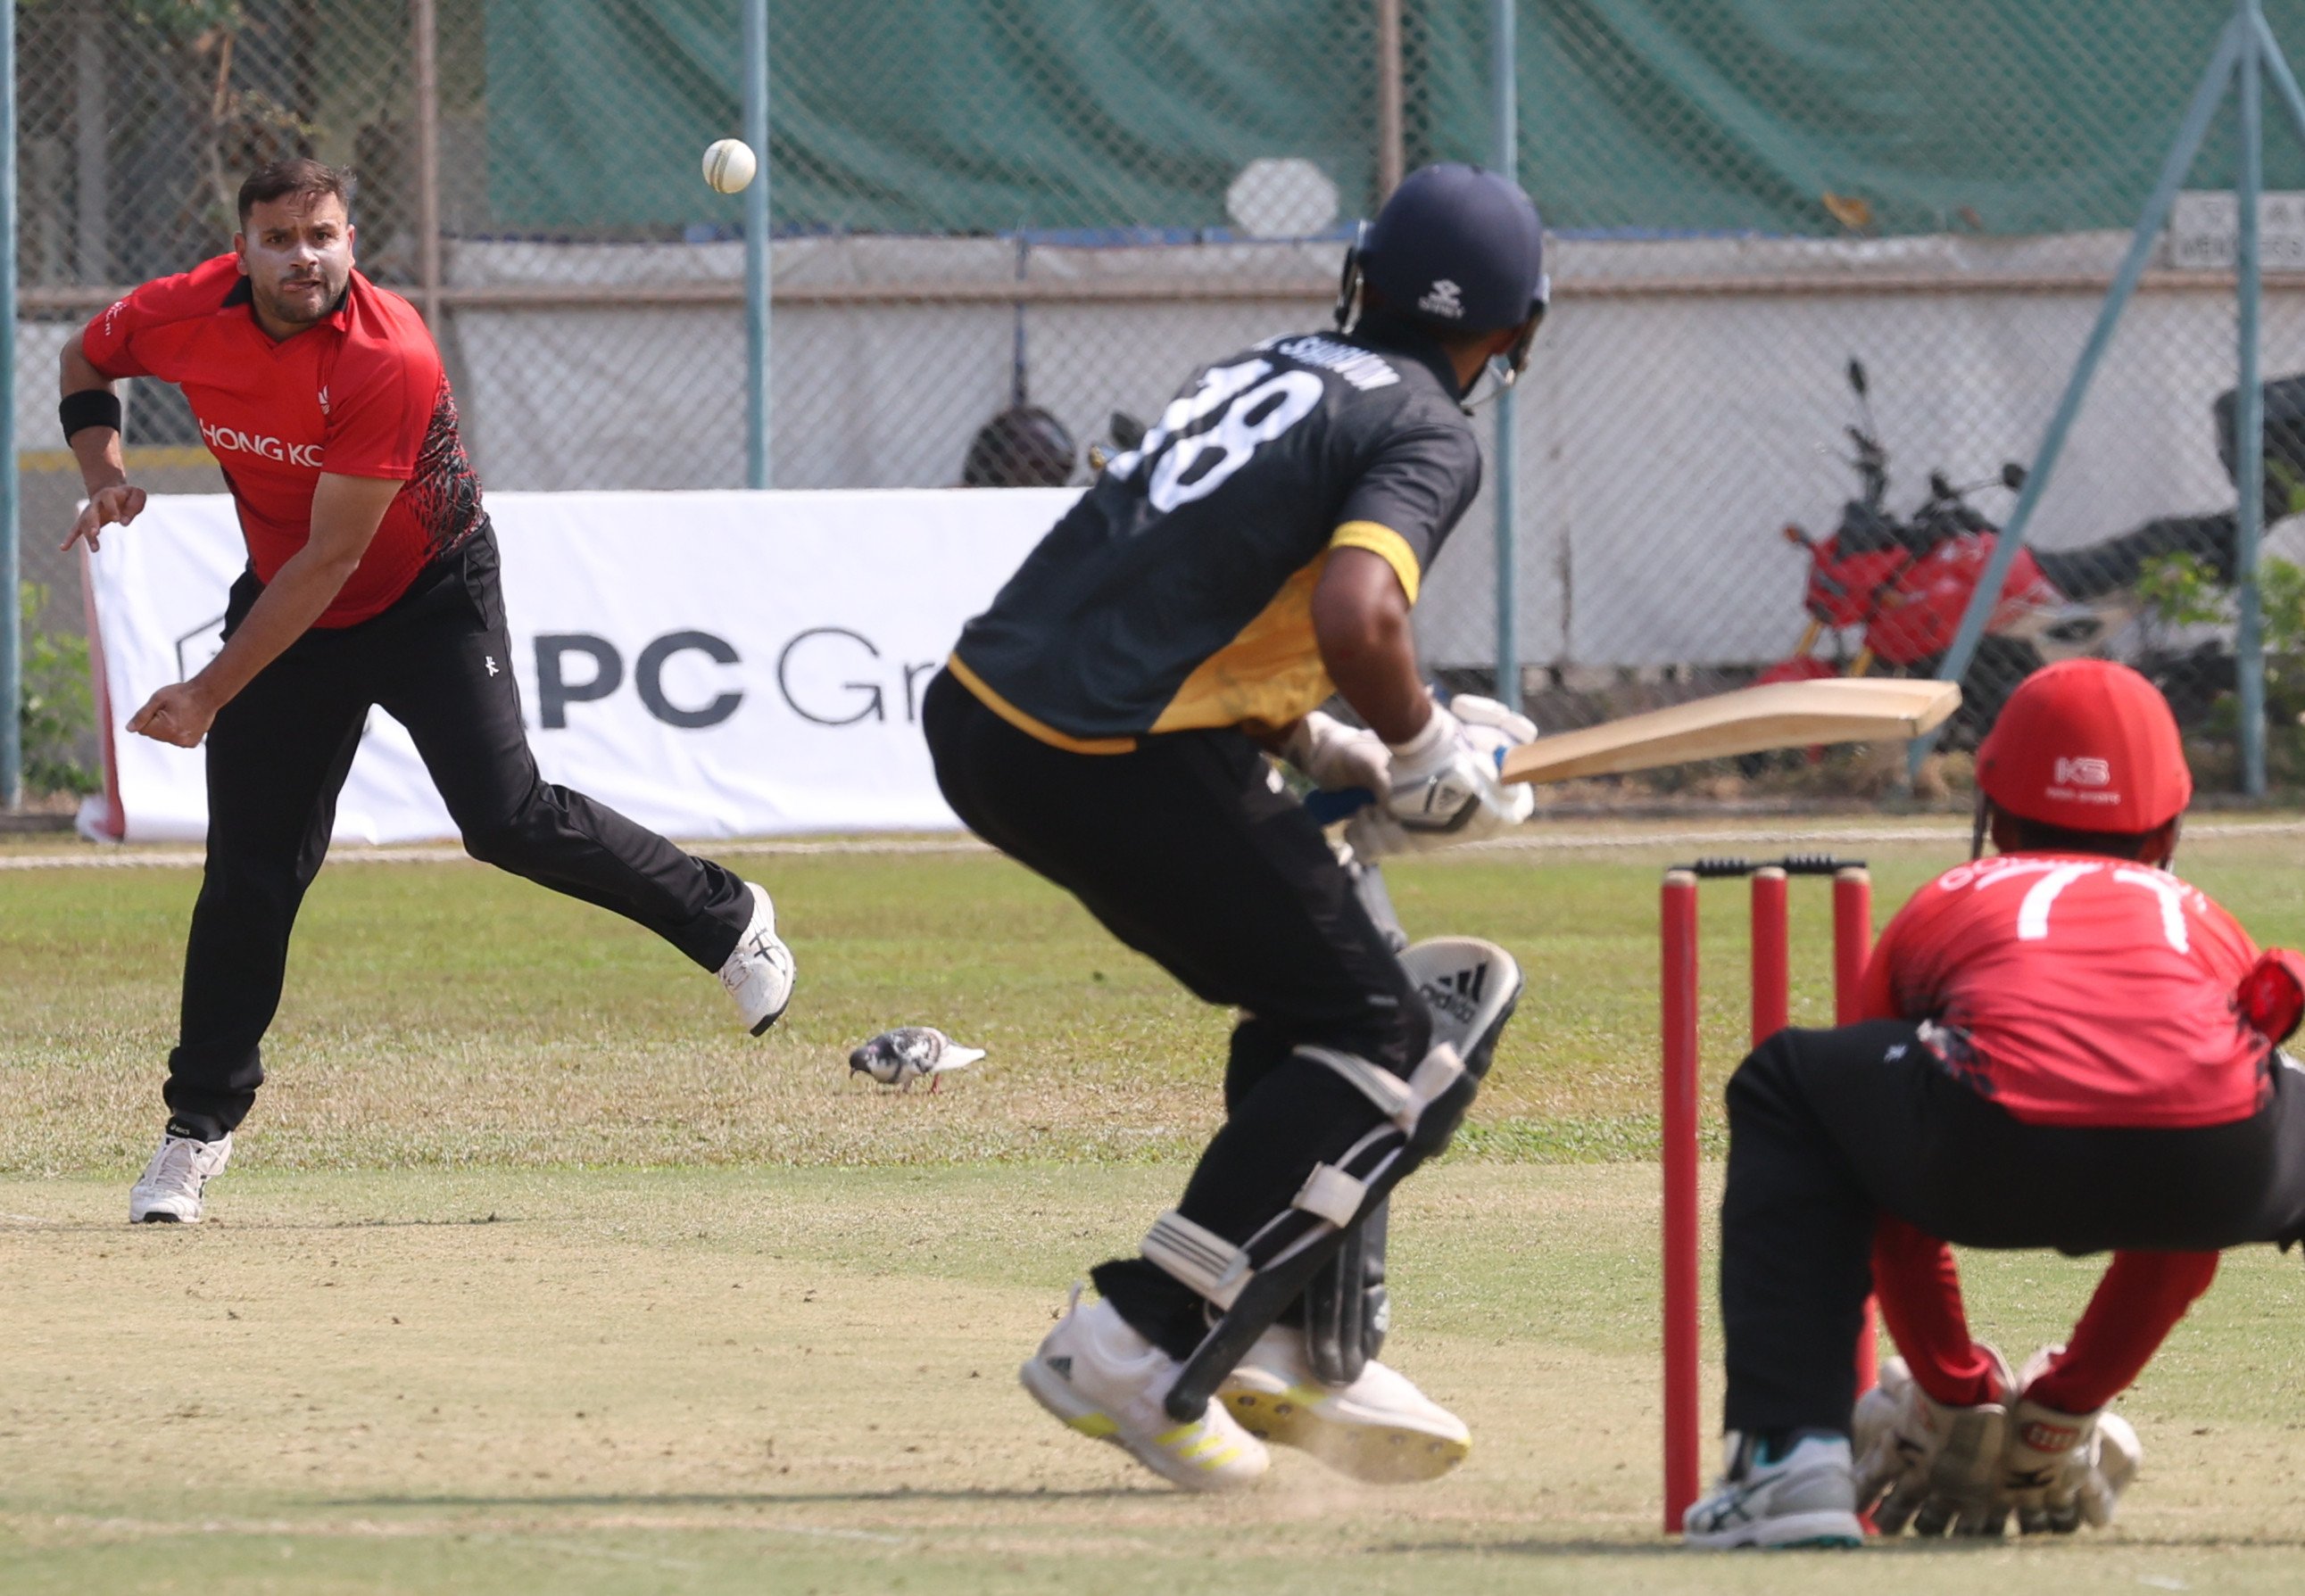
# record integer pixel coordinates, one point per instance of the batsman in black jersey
(1106, 723)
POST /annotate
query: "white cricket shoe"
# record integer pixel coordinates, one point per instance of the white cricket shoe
(2060, 1471)
(1105, 1380)
(759, 974)
(1807, 1497)
(169, 1194)
(1381, 1429)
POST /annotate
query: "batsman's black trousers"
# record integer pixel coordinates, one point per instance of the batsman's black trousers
(439, 662)
(1190, 852)
(1828, 1129)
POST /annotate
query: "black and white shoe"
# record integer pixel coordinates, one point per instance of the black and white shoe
(1806, 1497)
(758, 974)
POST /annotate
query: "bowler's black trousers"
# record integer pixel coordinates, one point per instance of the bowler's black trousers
(439, 662)
(1189, 852)
(1829, 1129)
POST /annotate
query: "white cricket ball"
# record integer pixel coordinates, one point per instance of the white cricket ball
(729, 165)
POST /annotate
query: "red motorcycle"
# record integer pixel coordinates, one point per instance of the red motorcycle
(1899, 586)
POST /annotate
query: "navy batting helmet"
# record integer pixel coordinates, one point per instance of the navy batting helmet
(1456, 249)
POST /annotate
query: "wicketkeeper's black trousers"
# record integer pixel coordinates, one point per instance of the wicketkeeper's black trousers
(1190, 852)
(438, 661)
(1829, 1129)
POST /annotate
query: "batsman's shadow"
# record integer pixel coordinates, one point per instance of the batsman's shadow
(758, 1499)
(1579, 1548)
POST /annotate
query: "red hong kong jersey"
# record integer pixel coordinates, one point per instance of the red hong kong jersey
(2078, 990)
(360, 394)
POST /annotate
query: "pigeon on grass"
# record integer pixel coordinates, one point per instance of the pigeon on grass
(901, 1056)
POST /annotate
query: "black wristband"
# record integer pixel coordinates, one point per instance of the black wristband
(91, 407)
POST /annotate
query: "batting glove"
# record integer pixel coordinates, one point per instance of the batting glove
(1443, 787)
(1440, 779)
(1490, 727)
(2062, 1471)
(1935, 1467)
(1335, 757)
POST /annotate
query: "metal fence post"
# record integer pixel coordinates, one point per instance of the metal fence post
(757, 468)
(2248, 411)
(424, 27)
(2206, 98)
(1390, 99)
(1504, 133)
(11, 636)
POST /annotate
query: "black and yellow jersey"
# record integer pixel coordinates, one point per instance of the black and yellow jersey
(1177, 593)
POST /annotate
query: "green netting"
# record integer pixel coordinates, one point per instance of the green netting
(2001, 116)
(983, 116)
(949, 116)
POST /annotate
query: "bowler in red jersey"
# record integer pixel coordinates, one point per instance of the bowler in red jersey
(2066, 1047)
(371, 580)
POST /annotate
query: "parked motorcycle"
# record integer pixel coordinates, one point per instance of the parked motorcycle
(1898, 586)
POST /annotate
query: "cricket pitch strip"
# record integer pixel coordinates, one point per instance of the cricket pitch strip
(804, 1380)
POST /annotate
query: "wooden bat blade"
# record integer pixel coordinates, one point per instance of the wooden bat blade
(1751, 720)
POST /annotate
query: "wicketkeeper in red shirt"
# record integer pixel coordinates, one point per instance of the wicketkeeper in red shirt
(2067, 1047)
(371, 579)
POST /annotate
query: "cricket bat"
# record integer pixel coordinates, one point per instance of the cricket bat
(1750, 720)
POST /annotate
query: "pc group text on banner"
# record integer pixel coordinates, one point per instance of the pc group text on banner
(712, 664)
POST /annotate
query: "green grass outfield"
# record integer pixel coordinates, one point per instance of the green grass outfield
(529, 1275)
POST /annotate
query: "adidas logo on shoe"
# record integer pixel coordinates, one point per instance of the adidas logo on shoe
(1104, 1380)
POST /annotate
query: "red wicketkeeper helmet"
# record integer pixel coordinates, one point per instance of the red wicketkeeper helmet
(2088, 745)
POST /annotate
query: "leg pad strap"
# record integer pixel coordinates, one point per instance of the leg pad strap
(1198, 1257)
(1214, 1267)
(1331, 1194)
(1403, 1102)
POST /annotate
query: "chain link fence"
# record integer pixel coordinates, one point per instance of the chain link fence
(987, 207)
(1749, 196)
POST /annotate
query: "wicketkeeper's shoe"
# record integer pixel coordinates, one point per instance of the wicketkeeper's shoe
(1381, 1429)
(1805, 1497)
(1105, 1380)
(2060, 1470)
(759, 975)
(169, 1194)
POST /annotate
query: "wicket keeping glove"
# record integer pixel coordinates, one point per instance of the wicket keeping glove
(1939, 1466)
(2272, 994)
(1335, 757)
(2062, 1471)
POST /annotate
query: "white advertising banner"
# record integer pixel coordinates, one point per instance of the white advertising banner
(712, 664)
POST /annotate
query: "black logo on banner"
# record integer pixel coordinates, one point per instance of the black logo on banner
(827, 675)
(822, 646)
